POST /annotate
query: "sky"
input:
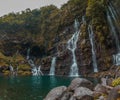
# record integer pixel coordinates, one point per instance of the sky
(7, 6)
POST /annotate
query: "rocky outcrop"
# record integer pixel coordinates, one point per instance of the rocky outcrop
(114, 93)
(77, 91)
(44, 46)
(83, 93)
(80, 82)
(56, 93)
(100, 89)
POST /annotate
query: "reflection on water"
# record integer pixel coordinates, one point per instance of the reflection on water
(35, 80)
(53, 81)
(29, 88)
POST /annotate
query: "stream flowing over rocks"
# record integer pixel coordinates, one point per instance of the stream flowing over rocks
(83, 89)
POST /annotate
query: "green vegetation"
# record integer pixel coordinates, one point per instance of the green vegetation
(44, 24)
(116, 82)
(45, 29)
(33, 29)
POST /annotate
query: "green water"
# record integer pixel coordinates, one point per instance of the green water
(29, 88)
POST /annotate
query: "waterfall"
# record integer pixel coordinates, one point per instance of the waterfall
(116, 16)
(113, 11)
(11, 70)
(116, 59)
(72, 45)
(28, 53)
(83, 20)
(35, 70)
(52, 68)
(91, 37)
(39, 71)
(112, 26)
(112, 18)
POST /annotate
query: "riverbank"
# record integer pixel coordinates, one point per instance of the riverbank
(113, 72)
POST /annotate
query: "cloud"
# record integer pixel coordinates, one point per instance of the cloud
(7, 6)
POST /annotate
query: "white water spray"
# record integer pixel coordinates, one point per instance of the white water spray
(72, 45)
(36, 71)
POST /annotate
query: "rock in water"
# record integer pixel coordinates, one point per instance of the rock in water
(55, 93)
(83, 93)
(80, 82)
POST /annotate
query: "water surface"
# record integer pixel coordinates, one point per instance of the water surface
(29, 88)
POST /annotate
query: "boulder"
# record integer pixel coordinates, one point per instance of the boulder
(100, 89)
(101, 98)
(72, 98)
(83, 93)
(109, 81)
(114, 93)
(55, 93)
(66, 96)
(80, 82)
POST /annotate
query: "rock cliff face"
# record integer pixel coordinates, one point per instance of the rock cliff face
(104, 43)
(55, 45)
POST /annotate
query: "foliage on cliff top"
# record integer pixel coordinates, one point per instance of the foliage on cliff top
(45, 24)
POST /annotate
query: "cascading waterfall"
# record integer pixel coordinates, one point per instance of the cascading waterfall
(91, 37)
(113, 11)
(72, 45)
(83, 20)
(114, 16)
(52, 69)
(35, 70)
(11, 70)
(39, 71)
(28, 53)
(112, 27)
(113, 24)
